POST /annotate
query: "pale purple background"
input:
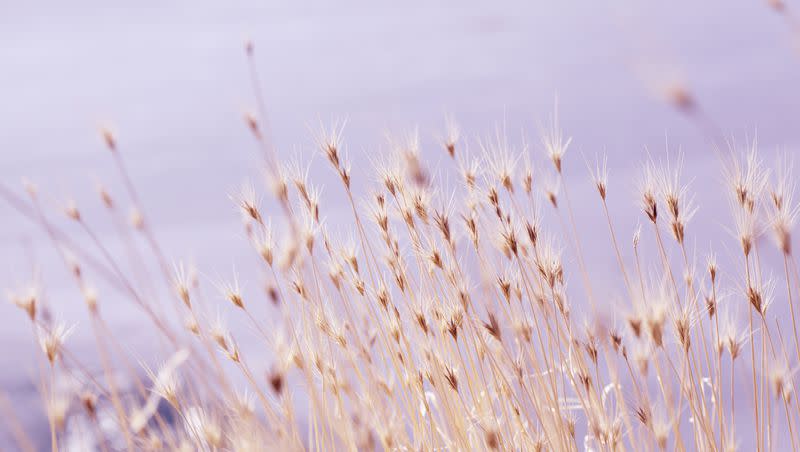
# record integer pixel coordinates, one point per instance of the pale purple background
(172, 80)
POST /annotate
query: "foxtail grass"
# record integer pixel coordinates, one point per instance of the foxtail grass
(451, 317)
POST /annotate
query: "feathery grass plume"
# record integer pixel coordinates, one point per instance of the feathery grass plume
(468, 169)
(90, 297)
(182, 284)
(89, 402)
(105, 196)
(760, 295)
(71, 210)
(203, 428)
(329, 141)
(109, 138)
(711, 266)
(784, 209)
(678, 94)
(230, 291)
(247, 200)
(732, 337)
(493, 327)
(501, 158)
(674, 194)
(52, 338)
(683, 321)
(747, 229)
(600, 176)
(656, 318)
(136, 218)
(781, 379)
(551, 185)
(452, 135)
(409, 150)
(746, 175)
(527, 178)
(553, 140)
(165, 385)
(26, 298)
(647, 188)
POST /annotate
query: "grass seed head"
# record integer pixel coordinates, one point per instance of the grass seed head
(553, 140)
(51, 340)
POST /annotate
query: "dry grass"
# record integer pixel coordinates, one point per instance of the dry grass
(446, 322)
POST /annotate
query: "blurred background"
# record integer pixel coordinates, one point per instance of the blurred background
(171, 79)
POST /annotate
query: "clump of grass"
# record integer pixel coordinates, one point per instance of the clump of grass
(445, 320)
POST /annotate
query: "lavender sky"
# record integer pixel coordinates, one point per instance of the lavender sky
(171, 79)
